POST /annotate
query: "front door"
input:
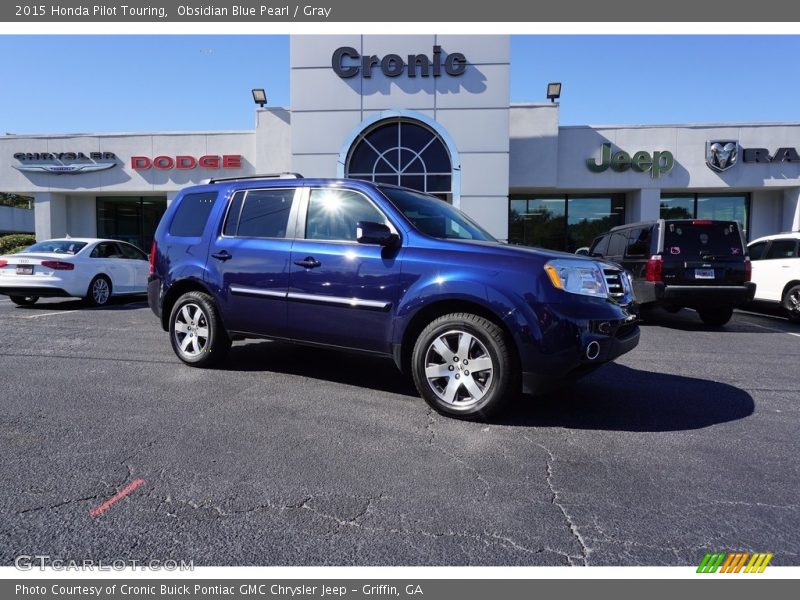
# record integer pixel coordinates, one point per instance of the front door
(248, 261)
(341, 292)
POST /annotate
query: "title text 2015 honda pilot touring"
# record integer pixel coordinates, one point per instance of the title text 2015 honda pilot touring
(353, 265)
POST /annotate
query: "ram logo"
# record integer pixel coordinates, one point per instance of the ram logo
(721, 155)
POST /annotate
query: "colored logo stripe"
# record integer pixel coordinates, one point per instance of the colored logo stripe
(733, 562)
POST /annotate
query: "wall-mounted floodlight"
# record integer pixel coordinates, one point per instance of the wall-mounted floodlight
(260, 97)
(553, 91)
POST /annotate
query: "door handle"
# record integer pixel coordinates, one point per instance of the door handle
(309, 262)
(223, 256)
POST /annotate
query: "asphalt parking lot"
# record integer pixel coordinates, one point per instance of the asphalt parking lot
(294, 456)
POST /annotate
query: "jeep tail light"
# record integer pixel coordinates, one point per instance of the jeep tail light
(748, 269)
(153, 249)
(702, 222)
(654, 270)
(58, 265)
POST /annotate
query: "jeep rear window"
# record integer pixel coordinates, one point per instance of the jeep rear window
(435, 217)
(192, 214)
(703, 238)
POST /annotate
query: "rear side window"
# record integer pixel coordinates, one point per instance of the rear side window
(757, 250)
(192, 214)
(639, 242)
(782, 249)
(715, 238)
(264, 214)
(617, 244)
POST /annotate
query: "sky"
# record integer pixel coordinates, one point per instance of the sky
(69, 84)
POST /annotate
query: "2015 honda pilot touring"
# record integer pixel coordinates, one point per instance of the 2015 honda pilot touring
(353, 265)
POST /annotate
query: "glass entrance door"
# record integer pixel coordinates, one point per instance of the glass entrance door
(132, 219)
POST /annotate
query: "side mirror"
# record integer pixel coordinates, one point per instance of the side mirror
(368, 232)
(584, 251)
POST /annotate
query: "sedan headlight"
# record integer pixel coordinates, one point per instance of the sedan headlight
(577, 277)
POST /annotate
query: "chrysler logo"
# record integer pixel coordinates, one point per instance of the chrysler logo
(721, 155)
(64, 162)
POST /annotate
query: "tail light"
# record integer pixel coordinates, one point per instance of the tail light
(153, 249)
(58, 265)
(3, 263)
(748, 269)
(654, 270)
(702, 222)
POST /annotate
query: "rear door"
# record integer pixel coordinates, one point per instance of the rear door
(637, 253)
(342, 292)
(107, 258)
(778, 266)
(248, 259)
(698, 252)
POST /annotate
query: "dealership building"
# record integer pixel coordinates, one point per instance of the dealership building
(428, 112)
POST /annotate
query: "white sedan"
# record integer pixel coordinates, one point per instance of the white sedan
(88, 268)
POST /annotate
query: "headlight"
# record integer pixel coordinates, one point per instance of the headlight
(577, 277)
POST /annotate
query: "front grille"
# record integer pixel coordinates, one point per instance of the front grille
(614, 282)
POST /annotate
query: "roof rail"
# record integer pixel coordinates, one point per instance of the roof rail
(285, 175)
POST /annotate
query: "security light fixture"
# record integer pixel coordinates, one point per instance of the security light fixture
(260, 97)
(553, 91)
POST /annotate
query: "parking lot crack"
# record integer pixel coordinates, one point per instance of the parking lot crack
(555, 499)
(452, 455)
(59, 504)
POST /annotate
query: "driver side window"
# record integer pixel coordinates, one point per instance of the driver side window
(333, 214)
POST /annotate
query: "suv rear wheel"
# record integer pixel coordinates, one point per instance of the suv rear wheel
(196, 332)
(463, 367)
(791, 302)
(715, 317)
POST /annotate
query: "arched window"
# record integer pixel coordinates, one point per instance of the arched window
(402, 152)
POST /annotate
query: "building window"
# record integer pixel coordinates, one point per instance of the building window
(130, 219)
(565, 222)
(720, 207)
(403, 152)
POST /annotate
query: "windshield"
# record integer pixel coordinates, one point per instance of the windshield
(57, 247)
(435, 217)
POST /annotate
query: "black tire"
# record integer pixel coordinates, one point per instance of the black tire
(24, 300)
(791, 303)
(186, 328)
(454, 393)
(99, 291)
(715, 317)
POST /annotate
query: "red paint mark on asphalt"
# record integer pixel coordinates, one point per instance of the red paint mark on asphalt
(128, 489)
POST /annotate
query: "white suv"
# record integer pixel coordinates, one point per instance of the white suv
(776, 271)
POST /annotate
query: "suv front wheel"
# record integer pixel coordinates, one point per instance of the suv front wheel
(462, 366)
(196, 332)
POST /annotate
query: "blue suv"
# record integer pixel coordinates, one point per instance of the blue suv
(353, 265)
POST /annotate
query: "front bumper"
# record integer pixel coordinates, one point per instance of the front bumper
(577, 340)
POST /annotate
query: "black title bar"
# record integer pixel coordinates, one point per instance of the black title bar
(360, 11)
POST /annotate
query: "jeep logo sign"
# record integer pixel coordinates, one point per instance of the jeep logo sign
(347, 63)
(659, 163)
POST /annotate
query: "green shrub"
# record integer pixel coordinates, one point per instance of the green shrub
(15, 242)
